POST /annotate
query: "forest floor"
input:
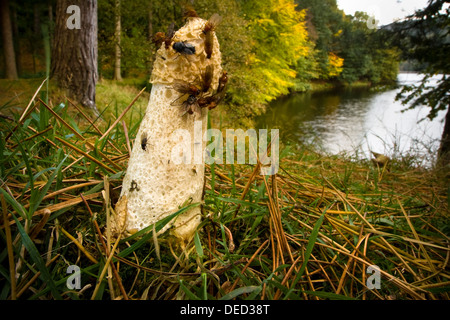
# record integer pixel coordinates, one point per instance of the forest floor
(323, 227)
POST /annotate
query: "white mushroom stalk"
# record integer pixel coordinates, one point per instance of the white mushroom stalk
(161, 176)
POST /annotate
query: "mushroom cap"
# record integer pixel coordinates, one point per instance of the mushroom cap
(171, 65)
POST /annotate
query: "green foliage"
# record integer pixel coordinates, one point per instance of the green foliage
(337, 36)
(236, 45)
(269, 48)
(281, 38)
(136, 49)
(265, 50)
(385, 66)
(324, 22)
(424, 38)
(372, 59)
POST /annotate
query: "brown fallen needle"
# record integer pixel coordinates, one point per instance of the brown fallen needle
(105, 247)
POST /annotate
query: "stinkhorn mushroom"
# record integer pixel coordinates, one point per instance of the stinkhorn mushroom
(161, 176)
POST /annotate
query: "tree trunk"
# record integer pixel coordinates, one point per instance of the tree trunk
(36, 24)
(16, 40)
(74, 54)
(150, 21)
(36, 40)
(51, 20)
(444, 150)
(8, 44)
(117, 71)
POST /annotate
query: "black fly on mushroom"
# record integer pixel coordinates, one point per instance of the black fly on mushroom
(134, 186)
(182, 47)
(186, 48)
(144, 142)
(190, 105)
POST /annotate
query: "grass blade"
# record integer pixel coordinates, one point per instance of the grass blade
(13, 202)
(237, 292)
(37, 259)
(328, 295)
(188, 292)
(309, 248)
(198, 245)
(37, 197)
(9, 246)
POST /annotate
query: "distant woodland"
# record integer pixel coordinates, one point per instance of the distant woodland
(281, 46)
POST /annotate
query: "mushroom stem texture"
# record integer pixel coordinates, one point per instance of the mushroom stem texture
(166, 166)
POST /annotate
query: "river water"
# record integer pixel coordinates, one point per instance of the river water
(355, 121)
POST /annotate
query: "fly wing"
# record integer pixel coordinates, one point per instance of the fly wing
(217, 98)
(185, 108)
(189, 49)
(170, 31)
(196, 108)
(178, 101)
(181, 86)
(214, 21)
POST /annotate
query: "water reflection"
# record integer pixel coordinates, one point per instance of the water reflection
(356, 121)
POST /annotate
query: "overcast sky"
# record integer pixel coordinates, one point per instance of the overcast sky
(386, 11)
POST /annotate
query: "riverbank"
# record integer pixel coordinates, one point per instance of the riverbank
(113, 97)
(358, 120)
(317, 86)
(309, 232)
(321, 86)
(15, 95)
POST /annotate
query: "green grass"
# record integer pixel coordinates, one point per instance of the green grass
(309, 232)
(111, 97)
